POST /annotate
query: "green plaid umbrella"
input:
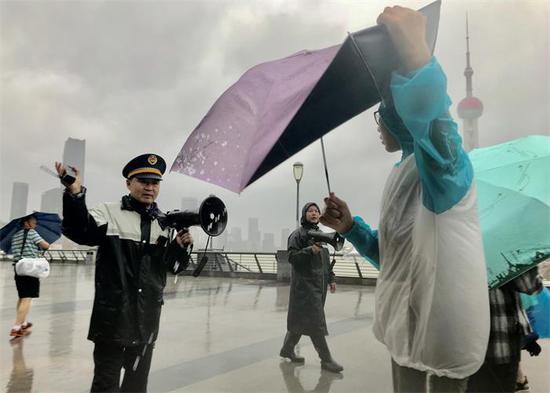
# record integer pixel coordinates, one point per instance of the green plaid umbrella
(513, 185)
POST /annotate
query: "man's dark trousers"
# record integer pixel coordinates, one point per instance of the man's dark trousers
(110, 358)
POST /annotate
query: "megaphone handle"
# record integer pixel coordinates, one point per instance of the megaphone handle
(203, 261)
(200, 266)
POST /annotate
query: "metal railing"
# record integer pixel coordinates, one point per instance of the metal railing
(266, 262)
(353, 266)
(237, 262)
(70, 256)
(61, 256)
(231, 262)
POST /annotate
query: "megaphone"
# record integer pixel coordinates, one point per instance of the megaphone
(334, 238)
(211, 216)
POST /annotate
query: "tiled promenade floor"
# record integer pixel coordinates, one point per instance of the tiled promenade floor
(217, 335)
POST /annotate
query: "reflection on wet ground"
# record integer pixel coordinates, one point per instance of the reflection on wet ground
(217, 335)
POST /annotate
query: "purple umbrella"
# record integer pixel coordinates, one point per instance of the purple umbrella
(277, 108)
(248, 119)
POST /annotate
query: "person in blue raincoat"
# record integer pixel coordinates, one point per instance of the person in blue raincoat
(431, 299)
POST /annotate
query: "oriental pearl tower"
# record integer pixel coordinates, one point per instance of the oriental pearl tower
(470, 108)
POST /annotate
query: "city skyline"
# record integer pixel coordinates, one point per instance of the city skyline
(86, 79)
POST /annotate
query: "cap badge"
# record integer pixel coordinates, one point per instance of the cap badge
(152, 159)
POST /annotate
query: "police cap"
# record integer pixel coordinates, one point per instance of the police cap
(145, 166)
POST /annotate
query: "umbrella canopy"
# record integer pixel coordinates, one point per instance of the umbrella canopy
(514, 205)
(277, 108)
(48, 227)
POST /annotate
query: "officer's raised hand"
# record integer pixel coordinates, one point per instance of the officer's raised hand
(76, 186)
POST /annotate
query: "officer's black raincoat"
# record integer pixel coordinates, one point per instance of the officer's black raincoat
(132, 260)
(311, 275)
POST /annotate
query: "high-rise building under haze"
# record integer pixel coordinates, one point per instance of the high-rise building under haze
(254, 234)
(235, 239)
(74, 154)
(285, 233)
(220, 242)
(52, 201)
(19, 199)
(268, 244)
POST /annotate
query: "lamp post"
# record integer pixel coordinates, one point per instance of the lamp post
(298, 170)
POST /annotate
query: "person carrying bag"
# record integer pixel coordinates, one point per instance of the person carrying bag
(27, 243)
(37, 267)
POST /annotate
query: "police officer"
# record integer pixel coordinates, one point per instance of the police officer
(133, 257)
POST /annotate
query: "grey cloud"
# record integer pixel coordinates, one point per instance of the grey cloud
(136, 76)
(111, 45)
(278, 35)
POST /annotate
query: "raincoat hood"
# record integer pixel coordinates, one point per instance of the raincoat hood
(305, 223)
(393, 123)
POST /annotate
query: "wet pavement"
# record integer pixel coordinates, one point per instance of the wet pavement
(216, 335)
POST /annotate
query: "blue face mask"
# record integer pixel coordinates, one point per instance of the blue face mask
(395, 126)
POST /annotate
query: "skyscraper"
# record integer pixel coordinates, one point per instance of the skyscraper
(19, 198)
(52, 201)
(285, 233)
(470, 108)
(254, 234)
(220, 242)
(235, 239)
(74, 154)
(268, 244)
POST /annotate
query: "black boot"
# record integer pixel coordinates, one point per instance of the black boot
(287, 351)
(327, 362)
(331, 366)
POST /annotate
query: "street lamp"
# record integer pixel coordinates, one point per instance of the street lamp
(298, 170)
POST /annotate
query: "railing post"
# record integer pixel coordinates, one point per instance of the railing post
(228, 261)
(218, 262)
(358, 270)
(258, 263)
(283, 267)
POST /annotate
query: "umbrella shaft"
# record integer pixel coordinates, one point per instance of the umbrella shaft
(325, 163)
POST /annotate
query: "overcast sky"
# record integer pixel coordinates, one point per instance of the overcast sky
(137, 76)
